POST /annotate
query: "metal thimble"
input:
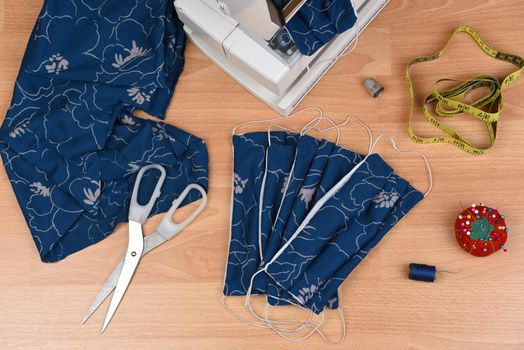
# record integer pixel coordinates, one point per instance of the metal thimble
(373, 87)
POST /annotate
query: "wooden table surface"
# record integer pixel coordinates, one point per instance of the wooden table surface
(174, 299)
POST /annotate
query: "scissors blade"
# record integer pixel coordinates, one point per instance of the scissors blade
(131, 260)
(150, 242)
(105, 290)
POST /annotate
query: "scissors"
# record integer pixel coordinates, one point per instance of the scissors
(139, 245)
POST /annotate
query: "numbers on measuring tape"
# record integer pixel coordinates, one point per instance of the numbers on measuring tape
(447, 102)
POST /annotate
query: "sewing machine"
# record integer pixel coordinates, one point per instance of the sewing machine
(248, 40)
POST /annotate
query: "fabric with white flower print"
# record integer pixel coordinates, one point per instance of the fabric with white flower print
(386, 200)
(337, 246)
(249, 153)
(323, 240)
(317, 22)
(240, 184)
(311, 156)
(292, 162)
(338, 161)
(70, 143)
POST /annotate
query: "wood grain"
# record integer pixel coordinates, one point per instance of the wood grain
(174, 299)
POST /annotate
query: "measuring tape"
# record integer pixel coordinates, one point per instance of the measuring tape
(447, 101)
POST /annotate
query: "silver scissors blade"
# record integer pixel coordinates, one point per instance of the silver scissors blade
(150, 242)
(131, 260)
(105, 290)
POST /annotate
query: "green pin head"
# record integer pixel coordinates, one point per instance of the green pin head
(481, 229)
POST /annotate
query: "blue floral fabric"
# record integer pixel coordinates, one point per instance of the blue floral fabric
(70, 143)
(249, 167)
(341, 205)
(318, 21)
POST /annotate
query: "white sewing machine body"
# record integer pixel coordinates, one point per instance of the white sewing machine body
(245, 39)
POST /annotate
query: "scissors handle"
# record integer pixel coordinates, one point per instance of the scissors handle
(167, 227)
(138, 212)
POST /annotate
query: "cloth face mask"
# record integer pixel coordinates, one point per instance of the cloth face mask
(339, 231)
(317, 22)
(244, 258)
(69, 142)
(330, 165)
(308, 158)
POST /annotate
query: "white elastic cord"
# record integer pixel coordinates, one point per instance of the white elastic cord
(395, 147)
(296, 330)
(258, 325)
(269, 323)
(285, 333)
(313, 125)
(277, 118)
(349, 118)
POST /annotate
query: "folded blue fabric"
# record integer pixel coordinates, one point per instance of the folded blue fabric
(70, 143)
(318, 21)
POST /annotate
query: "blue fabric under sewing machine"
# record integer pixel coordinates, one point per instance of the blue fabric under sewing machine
(305, 213)
(318, 21)
(70, 143)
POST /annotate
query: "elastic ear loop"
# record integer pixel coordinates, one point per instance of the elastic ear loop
(269, 323)
(313, 125)
(265, 324)
(350, 118)
(258, 325)
(284, 334)
(318, 330)
(277, 118)
(395, 147)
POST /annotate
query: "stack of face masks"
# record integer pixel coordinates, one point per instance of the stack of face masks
(317, 22)
(70, 144)
(305, 212)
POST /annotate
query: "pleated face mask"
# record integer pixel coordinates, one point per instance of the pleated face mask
(70, 143)
(330, 164)
(339, 231)
(318, 21)
(332, 209)
(249, 152)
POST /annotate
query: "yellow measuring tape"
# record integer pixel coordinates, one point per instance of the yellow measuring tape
(487, 108)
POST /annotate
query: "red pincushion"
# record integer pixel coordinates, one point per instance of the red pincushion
(481, 231)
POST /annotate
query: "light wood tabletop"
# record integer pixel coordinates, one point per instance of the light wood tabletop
(173, 301)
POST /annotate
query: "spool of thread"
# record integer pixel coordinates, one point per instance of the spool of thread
(421, 272)
(373, 87)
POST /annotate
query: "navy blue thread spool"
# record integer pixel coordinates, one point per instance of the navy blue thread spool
(421, 272)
